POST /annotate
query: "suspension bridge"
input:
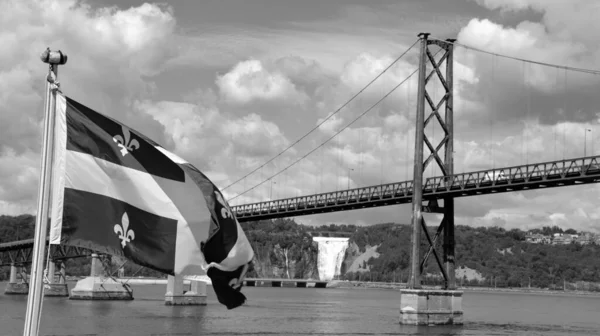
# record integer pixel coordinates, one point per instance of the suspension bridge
(380, 125)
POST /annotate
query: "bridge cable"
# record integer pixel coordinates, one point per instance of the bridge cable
(565, 113)
(328, 117)
(492, 110)
(584, 70)
(408, 106)
(528, 111)
(524, 124)
(331, 137)
(555, 127)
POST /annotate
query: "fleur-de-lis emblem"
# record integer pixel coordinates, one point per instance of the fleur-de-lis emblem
(122, 230)
(225, 211)
(125, 144)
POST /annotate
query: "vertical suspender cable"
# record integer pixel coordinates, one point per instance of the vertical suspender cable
(528, 111)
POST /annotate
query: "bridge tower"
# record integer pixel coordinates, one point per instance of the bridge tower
(417, 305)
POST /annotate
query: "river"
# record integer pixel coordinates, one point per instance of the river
(303, 311)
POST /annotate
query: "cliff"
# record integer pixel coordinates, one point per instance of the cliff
(282, 249)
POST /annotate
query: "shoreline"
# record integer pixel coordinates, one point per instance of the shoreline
(373, 285)
(398, 286)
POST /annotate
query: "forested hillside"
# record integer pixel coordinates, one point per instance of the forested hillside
(494, 256)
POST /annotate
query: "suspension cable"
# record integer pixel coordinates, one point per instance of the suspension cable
(589, 71)
(327, 118)
(331, 137)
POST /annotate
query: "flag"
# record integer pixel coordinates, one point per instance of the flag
(115, 191)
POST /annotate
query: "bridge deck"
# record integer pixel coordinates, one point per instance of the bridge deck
(499, 180)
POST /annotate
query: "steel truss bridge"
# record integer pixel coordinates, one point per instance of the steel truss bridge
(526, 177)
(20, 252)
(550, 174)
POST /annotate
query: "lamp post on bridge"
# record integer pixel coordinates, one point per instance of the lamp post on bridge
(349, 170)
(271, 192)
(585, 141)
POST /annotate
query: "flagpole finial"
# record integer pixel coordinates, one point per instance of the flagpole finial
(53, 57)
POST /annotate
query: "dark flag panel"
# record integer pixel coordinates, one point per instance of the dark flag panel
(92, 133)
(117, 192)
(142, 237)
(227, 286)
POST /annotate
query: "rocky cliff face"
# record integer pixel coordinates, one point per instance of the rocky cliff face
(355, 260)
(285, 260)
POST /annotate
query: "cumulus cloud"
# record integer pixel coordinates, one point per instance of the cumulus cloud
(249, 81)
(514, 90)
(110, 52)
(220, 144)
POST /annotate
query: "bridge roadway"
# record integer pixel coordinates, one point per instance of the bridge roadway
(525, 177)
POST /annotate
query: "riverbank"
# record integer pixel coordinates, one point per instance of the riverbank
(398, 286)
(370, 285)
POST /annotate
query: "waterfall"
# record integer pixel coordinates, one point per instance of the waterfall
(330, 256)
(287, 263)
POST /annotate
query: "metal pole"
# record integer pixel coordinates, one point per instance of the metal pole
(417, 199)
(449, 263)
(36, 293)
(350, 169)
(585, 142)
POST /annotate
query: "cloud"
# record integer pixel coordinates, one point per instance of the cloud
(111, 54)
(513, 90)
(222, 145)
(249, 81)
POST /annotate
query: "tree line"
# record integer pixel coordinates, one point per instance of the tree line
(502, 257)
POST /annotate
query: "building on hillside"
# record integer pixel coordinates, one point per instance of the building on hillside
(583, 240)
(537, 238)
(562, 240)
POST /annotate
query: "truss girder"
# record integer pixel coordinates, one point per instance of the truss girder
(21, 254)
(531, 176)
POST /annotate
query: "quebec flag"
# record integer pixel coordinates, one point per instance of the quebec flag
(117, 192)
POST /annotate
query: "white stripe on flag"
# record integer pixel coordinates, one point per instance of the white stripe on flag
(171, 156)
(58, 169)
(139, 189)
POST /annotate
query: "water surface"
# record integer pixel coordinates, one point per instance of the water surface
(303, 311)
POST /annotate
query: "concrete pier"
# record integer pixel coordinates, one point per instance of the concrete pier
(15, 287)
(99, 287)
(56, 288)
(175, 296)
(301, 283)
(430, 307)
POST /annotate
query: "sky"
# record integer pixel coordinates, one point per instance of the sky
(228, 85)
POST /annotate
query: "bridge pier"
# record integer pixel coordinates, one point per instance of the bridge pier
(99, 287)
(54, 288)
(420, 306)
(14, 287)
(175, 296)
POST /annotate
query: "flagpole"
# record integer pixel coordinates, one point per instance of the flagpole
(36, 289)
